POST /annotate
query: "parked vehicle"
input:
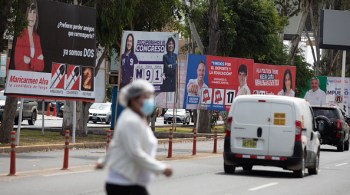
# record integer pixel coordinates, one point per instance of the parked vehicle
(271, 131)
(60, 111)
(100, 112)
(29, 111)
(182, 116)
(334, 129)
(58, 105)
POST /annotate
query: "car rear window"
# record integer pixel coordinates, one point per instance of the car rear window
(330, 113)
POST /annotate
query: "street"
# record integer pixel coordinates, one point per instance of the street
(56, 122)
(38, 173)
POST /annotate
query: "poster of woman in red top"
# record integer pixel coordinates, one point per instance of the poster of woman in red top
(28, 53)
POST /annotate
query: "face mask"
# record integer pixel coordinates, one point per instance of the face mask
(148, 106)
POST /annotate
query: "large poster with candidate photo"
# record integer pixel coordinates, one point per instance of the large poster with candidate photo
(333, 92)
(152, 56)
(54, 55)
(212, 82)
(274, 80)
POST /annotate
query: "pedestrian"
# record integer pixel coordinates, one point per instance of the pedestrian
(131, 154)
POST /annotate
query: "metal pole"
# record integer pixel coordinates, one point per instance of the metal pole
(42, 117)
(343, 75)
(19, 120)
(74, 120)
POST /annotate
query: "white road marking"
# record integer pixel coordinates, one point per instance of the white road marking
(341, 164)
(263, 186)
(67, 173)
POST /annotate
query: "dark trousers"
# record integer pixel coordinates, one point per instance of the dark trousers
(113, 189)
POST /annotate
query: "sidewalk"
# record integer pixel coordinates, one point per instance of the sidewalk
(30, 163)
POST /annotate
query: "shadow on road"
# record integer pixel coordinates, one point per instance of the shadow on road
(262, 173)
(328, 150)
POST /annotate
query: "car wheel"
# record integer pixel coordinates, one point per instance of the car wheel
(95, 122)
(33, 118)
(314, 171)
(108, 121)
(346, 147)
(301, 172)
(164, 122)
(340, 147)
(229, 169)
(247, 167)
(169, 122)
(16, 121)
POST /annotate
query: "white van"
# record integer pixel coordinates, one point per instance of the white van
(271, 130)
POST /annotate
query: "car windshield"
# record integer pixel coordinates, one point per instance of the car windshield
(2, 96)
(100, 106)
(178, 111)
(330, 113)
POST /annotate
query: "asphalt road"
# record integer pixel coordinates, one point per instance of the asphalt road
(201, 175)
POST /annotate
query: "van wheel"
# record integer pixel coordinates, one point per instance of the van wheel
(229, 169)
(340, 147)
(33, 118)
(346, 147)
(247, 167)
(314, 171)
(301, 172)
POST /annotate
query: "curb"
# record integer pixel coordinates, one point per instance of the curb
(51, 147)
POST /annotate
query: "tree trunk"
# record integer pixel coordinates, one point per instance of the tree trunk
(204, 115)
(8, 118)
(82, 118)
(296, 39)
(67, 123)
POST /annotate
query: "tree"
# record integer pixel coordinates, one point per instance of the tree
(11, 24)
(204, 123)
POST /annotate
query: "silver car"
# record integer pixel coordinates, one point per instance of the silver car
(182, 116)
(100, 112)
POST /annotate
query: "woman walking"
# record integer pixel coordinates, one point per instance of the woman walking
(131, 154)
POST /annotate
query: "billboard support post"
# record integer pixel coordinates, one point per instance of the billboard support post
(343, 75)
(42, 117)
(74, 121)
(19, 120)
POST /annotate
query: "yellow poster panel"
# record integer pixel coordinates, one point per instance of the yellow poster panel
(279, 119)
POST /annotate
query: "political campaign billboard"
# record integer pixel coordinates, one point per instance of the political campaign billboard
(54, 56)
(274, 80)
(212, 82)
(152, 56)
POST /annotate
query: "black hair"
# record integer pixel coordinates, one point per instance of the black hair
(201, 62)
(170, 39)
(284, 79)
(126, 40)
(243, 68)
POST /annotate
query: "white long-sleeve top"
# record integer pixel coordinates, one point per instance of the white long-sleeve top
(131, 153)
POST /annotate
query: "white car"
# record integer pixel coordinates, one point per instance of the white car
(100, 112)
(271, 131)
(182, 116)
